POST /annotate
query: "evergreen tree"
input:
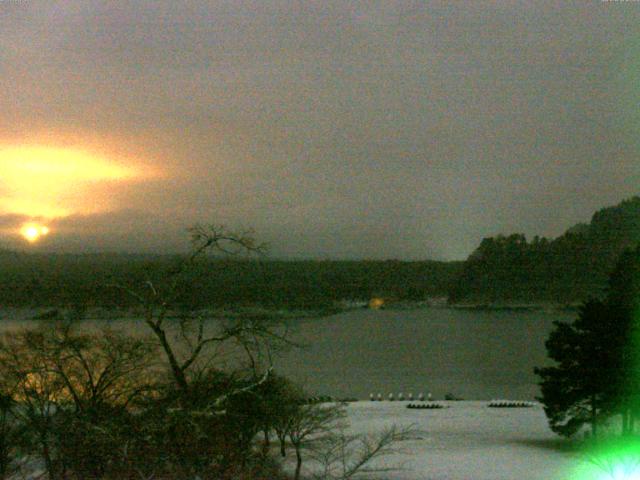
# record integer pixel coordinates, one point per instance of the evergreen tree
(623, 302)
(597, 359)
(574, 391)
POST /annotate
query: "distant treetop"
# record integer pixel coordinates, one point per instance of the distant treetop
(567, 269)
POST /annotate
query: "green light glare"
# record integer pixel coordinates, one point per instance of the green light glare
(613, 459)
(635, 339)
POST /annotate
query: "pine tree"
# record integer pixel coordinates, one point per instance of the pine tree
(623, 302)
(573, 391)
(597, 358)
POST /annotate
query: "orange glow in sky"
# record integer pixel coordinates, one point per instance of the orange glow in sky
(48, 182)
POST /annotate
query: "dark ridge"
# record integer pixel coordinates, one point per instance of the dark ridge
(564, 270)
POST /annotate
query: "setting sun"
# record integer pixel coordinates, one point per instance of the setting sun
(51, 182)
(33, 231)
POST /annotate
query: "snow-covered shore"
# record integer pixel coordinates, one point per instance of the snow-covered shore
(469, 441)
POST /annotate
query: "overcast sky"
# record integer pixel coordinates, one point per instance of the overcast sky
(380, 129)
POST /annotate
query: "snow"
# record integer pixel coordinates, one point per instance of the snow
(469, 441)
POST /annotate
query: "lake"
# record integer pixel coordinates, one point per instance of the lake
(475, 355)
(471, 354)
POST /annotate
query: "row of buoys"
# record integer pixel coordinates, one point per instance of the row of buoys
(426, 406)
(510, 404)
(391, 397)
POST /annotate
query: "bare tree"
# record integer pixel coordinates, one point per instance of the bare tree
(6, 434)
(107, 368)
(27, 373)
(284, 403)
(309, 425)
(321, 430)
(343, 456)
(195, 328)
(62, 380)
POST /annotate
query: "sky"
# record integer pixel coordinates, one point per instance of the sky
(351, 129)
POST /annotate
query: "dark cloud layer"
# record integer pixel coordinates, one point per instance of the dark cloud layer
(11, 222)
(336, 129)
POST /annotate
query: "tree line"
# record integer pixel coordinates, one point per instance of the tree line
(566, 269)
(67, 280)
(503, 269)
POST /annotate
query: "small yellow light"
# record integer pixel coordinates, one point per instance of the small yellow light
(376, 303)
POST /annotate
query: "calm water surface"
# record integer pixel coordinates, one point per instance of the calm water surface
(471, 354)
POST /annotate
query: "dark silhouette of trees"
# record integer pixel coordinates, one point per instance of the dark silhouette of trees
(198, 398)
(574, 391)
(67, 280)
(597, 360)
(566, 269)
(623, 302)
(67, 386)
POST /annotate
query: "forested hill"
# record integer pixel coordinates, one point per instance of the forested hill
(568, 269)
(83, 280)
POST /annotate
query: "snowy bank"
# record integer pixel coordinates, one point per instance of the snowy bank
(470, 441)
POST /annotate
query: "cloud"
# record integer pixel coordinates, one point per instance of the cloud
(119, 231)
(400, 128)
(11, 221)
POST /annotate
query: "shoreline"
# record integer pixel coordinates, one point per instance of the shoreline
(528, 307)
(278, 313)
(479, 306)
